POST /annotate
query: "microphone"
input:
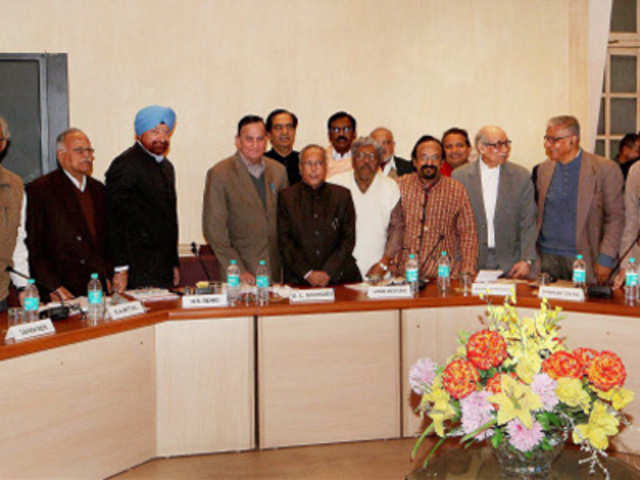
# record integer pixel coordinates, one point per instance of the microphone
(605, 291)
(196, 253)
(421, 282)
(54, 313)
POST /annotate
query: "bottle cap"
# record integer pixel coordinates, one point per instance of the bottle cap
(232, 261)
(443, 253)
(632, 260)
(262, 262)
(412, 256)
(579, 257)
(94, 276)
(31, 281)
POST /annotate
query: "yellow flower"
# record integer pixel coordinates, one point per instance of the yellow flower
(570, 391)
(601, 425)
(528, 366)
(441, 410)
(618, 396)
(515, 400)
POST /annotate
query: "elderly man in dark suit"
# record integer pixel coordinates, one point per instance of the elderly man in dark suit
(239, 206)
(391, 165)
(580, 205)
(501, 195)
(66, 222)
(316, 227)
(141, 206)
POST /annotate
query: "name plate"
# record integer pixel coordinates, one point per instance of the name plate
(312, 295)
(392, 291)
(124, 310)
(497, 289)
(25, 331)
(561, 293)
(201, 301)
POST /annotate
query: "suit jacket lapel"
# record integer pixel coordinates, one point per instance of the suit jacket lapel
(245, 185)
(71, 205)
(504, 192)
(545, 172)
(475, 192)
(270, 192)
(586, 187)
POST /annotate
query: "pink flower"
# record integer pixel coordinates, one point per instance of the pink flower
(421, 375)
(521, 437)
(545, 386)
(476, 411)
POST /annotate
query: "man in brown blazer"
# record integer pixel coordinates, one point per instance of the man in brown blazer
(580, 205)
(240, 201)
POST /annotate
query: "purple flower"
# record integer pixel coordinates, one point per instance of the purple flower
(476, 411)
(521, 437)
(545, 386)
(422, 373)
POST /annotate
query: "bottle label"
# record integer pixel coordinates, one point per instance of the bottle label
(233, 280)
(632, 279)
(411, 275)
(31, 304)
(95, 297)
(443, 271)
(262, 281)
(579, 275)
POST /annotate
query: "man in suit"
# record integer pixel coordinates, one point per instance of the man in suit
(580, 205)
(240, 201)
(281, 130)
(141, 206)
(392, 165)
(501, 195)
(13, 249)
(316, 227)
(66, 222)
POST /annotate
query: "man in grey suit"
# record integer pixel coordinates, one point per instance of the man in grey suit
(501, 195)
(239, 216)
(580, 205)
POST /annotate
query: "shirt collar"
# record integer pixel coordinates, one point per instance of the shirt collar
(79, 185)
(336, 156)
(158, 158)
(255, 169)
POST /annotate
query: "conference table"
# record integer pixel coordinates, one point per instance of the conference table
(96, 398)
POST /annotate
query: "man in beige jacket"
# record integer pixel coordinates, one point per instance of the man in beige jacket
(240, 204)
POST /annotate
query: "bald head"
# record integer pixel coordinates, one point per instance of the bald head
(493, 145)
(384, 137)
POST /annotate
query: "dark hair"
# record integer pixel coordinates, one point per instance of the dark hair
(423, 139)
(278, 111)
(247, 119)
(627, 141)
(459, 131)
(341, 114)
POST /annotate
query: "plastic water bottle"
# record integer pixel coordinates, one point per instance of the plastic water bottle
(31, 301)
(94, 297)
(631, 283)
(233, 282)
(579, 273)
(411, 273)
(262, 282)
(444, 273)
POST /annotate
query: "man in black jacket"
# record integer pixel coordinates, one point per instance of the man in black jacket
(141, 206)
(316, 227)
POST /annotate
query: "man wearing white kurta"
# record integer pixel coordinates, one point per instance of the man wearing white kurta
(374, 197)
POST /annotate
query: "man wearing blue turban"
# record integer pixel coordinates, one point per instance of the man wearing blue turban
(142, 231)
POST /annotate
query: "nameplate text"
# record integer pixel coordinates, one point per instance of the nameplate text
(203, 301)
(391, 291)
(25, 331)
(124, 310)
(495, 289)
(312, 295)
(561, 293)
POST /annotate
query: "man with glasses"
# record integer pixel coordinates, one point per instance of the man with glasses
(501, 195)
(580, 205)
(434, 215)
(281, 130)
(66, 222)
(342, 133)
(13, 250)
(374, 195)
(316, 227)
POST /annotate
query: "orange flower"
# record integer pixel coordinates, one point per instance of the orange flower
(486, 349)
(562, 364)
(606, 371)
(584, 356)
(494, 384)
(460, 378)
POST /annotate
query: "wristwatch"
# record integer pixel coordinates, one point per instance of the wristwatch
(383, 266)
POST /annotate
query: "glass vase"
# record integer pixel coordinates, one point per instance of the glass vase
(514, 465)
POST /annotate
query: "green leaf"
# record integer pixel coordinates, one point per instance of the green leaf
(497, 438)
(545, 445)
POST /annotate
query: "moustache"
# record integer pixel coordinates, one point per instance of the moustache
(341, 137)
(428, 171)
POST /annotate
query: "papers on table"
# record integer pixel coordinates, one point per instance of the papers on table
(488, 276)
(151, 294)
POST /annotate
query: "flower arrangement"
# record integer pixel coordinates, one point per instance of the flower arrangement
(516, 382)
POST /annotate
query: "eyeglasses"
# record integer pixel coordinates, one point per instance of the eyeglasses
(366, 156)
(555, 140)
(432, 158)
(341, 129)
(497, 145)
(82, 151)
